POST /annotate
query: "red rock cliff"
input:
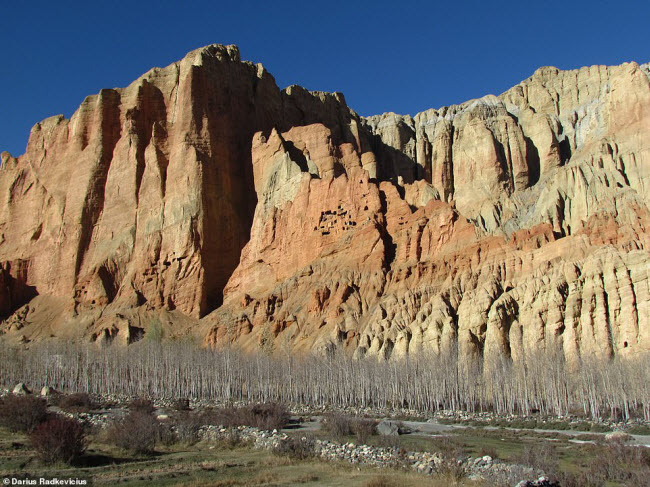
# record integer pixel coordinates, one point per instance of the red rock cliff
(284, 220)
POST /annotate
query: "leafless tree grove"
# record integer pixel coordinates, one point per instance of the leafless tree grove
(426, 383)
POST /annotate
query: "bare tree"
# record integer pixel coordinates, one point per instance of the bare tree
(427, 382)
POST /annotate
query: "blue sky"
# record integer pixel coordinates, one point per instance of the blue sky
(384, 56)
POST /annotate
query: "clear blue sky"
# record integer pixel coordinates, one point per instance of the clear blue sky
(401, 56)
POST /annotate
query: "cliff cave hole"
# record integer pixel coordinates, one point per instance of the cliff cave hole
(624, 344)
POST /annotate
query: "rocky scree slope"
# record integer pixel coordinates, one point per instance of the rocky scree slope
(206, 199)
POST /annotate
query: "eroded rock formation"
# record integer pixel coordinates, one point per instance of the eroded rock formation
(207, 199)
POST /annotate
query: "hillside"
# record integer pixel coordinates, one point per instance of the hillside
(203, 200)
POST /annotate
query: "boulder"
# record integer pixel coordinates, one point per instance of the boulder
(47, 391)
(618, 437)
(21, 389)
(388, 428)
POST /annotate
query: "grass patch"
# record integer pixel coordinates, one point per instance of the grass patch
(638, 429)
(531, 423)
(201, 465)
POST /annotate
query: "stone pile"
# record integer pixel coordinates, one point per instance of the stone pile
(540, 482)
(383, 457)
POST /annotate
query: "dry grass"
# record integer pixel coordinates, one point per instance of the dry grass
(380, 481)
(200, 465)
(266, 416)
(341, 425)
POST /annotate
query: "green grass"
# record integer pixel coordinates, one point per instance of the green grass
(639, 429)
(474, 442)
(217, 463)
(550, 451)
(531, 424)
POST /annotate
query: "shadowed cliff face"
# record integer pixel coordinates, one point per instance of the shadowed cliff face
(118, 204)
(285, 221)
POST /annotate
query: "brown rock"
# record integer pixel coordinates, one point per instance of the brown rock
(496, 227)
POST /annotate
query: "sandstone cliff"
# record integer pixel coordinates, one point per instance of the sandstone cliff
(207, 199)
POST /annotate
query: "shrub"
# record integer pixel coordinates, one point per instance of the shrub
(540, 456)
(380, 481)
(188, 427)
(341, 425)
(59, 439)
(448, 447)
(337, 424)
(22, 413)
(363, 429)
(489, 451)
(453, 469)
(639, 429)
(166, 435)
(581, 426)
(266, 416)
(142, 405)
(182, 404)
(138, 432)
(394, 442)
(75, 403)
(599, 428)
(399, 459)
(622, 464)
(230, 440)
(578, 479)
(297, 448)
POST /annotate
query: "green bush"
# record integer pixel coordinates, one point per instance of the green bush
(639, 429)
(600, 428)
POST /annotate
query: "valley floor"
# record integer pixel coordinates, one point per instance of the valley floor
(577, 458)
(203, 464)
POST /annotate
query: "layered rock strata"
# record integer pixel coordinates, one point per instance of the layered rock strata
(206, 198)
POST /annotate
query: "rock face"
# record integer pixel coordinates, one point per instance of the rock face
(205, 196)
